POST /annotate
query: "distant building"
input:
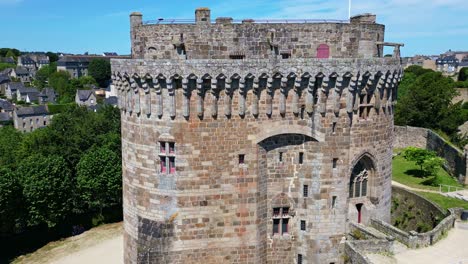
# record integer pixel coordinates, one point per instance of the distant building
(48, 95)
(27, 94)
(5, 119)
(447, 64)
(113, 100)
(9, 60)
(112, 54)
(85, 97)
(6, 107)
(34, 61)
(4, 80)
(28, 119)
(22, 73)
(77, 65)
(11, 88)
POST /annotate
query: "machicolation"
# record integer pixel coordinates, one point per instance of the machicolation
(254, 141)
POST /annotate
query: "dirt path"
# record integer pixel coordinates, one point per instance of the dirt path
(450, 250)
(101, 245)
(397, 184)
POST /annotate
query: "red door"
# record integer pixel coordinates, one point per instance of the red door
(359, 207)
(323, 51)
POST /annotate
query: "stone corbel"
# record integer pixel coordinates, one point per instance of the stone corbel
(187, 95)
(159, 96)
(201, 99)
(228, 98)
(136, 93)
(172, 97)
(242, 96)
(214, 94)
(269, 97)
(310, 100)
(296, 94)
(256, 97)
(283, 94)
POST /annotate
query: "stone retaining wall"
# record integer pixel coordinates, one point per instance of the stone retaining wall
(406, 136)
(413, 239)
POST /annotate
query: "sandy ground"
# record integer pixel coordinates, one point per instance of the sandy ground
(102, 245)
(106, 252)
(450, 250)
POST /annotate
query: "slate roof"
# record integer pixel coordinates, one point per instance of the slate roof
(6, 105)
(113, 100)
(447, 60)
(48, 92)
(33, 96)
(15, 86)
(84, 95)
(4, 78)
(32, 111)
(111, 54)
(26, 90)
(22, 71)
(8, 60)
(26, 60)
(4, 117)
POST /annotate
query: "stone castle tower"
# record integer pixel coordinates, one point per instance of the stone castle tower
(253, 141)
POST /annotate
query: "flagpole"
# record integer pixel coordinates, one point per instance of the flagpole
(349, 10)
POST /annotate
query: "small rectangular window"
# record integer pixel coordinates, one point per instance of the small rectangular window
(241, 159)
(335, 163)
(284, 227)
(299, 259)
(280, 157)
(305, 191)
(301, 157)
(172, 168)
(285, 55)
(285, 211)
(303, 225)
(276, 226)
(334, 201)
(163, 165)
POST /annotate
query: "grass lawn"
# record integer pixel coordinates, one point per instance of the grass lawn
(444, 202)
(407, 173)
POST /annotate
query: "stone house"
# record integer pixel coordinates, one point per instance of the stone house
(5, 119)
(33, 61)
(6, 107)
(47, 95)
(9, 60)
(85, 97)
(28, 119)
(27, 62)
(21, 73)
(77, 65)
(27, 94)
(12, 88)
(4, 80)
(447, 64)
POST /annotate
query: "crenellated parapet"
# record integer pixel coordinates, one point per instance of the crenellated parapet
(151, 87)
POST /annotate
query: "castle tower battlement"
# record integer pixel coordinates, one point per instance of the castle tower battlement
(253, 141)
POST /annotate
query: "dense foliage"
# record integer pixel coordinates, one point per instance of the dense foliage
(427, 160)
(463, 75)
(61, 172)
(100, 70)
(4, 52)
(425, 100)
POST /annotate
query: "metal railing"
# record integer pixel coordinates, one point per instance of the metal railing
(447, 188)
(240, 21)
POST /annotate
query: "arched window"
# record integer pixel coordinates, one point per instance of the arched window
(359, 179)
(323, 51)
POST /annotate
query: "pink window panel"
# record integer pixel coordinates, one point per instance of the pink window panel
(163, 165)
(323, 51)
(162, 147)
(276, 212)
(172, 165)
(276, 224)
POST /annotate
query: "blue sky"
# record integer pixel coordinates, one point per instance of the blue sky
(425, 26)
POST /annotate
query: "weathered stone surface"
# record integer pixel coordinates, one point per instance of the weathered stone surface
(293, 122)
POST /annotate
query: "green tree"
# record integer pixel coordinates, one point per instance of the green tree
(11, 201)
(53, 57)
(427, 160)
(48, 189)
(463, 75)
(10, 139)
(427, 101)
(100, 70)
(4, 66)
(43, 74)
(84, 82)
(99, 179)
(10, 54)
(60, 82)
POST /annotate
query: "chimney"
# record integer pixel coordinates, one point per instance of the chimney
(203, 15)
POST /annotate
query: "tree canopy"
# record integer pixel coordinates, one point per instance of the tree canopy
(463, 75)
(100, 70)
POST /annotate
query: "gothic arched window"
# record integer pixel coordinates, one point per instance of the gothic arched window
(359, 180)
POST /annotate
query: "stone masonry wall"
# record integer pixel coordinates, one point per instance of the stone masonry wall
(334, 111)
(224, 39)
(427, 139)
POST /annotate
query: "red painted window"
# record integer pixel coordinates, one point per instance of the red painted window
(163, 165)
(162, 147)
(276, 212)
(172, 165)
(171, 147)
(323, 51)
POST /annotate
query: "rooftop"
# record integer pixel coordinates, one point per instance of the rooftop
(31, 111)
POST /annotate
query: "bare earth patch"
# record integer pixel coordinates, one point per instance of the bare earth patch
(102, 244)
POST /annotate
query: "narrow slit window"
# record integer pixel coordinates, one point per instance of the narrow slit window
(299, 259)
(333, 201)
(301, 157)
(305, 191)
(172, 168)
(171, 148)
(303, 225)
(335, 163)
(241, 159)
(280, 158)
